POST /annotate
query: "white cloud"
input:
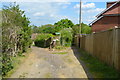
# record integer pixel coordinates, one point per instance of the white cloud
(44, 13)
(96, 10)
(85, 5)
(89, 5)
(89, 11)
(88, 8)
(77, 6)
(39, 14)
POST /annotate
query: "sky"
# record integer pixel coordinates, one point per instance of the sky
(41, 13)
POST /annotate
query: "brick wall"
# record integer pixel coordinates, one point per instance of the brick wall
(106, 23)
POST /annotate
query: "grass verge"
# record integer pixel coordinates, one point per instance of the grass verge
(60, 53)
(17, 61)
(97, 68)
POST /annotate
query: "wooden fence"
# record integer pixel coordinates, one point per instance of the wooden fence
(103, 45)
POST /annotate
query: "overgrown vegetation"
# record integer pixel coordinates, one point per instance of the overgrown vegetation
(41, 40)
(66, 36)
(65, 27)
(85, 29)
(97, 67)
(16, 35)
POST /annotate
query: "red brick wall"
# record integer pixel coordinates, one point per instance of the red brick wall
(105, 23)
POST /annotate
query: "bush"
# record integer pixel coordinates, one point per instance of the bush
(41, 39)
(66, 37)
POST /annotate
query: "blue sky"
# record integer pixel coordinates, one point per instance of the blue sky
(41, 13)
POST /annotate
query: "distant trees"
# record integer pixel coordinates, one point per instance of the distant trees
(66, 28)
(58, 26)
(48, 28)
(85, 29)
(16, 35)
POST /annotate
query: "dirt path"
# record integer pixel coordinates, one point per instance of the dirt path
(42, 64)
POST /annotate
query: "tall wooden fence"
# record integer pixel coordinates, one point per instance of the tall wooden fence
(103, 45)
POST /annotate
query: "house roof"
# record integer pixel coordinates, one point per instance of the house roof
(103, 12)
(96, 20)
(108, 8)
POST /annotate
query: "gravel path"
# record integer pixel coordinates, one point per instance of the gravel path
(41, 63)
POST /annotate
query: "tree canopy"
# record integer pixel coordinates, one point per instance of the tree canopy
(63, 23)
(85, 29)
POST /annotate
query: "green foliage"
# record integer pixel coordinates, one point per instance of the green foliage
(44, 29)
(64, 23)
(76, 29)
(6, 64)
(59, 47)
(66, 36)
(16, 34)
(85, 29)
(49, 28)
(41, 39)
(35, 29)
(60, 53)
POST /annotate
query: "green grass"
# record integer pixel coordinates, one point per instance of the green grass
(60, 53)
(59, 47)
(97, 68)
(47, 75)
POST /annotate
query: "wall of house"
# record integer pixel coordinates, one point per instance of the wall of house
(113, 10)
(109, 4)
(106, 23)
(103, 45)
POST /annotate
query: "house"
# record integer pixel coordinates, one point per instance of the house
(107, 19)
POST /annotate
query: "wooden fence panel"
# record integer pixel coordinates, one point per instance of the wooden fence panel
(104, 45)
(89, 43)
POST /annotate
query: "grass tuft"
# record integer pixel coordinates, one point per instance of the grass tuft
(60, 53)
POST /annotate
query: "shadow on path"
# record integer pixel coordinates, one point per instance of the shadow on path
(77, 55)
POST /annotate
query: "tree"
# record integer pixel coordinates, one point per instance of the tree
(63, 23)
(85, 29)
(48, 28)
(35, 29)
(16, 34)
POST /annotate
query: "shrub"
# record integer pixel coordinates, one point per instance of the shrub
(66, 36)
(41, 39)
